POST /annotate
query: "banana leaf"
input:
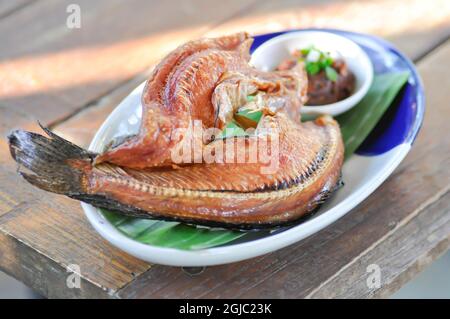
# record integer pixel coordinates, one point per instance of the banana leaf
(357, 123)
(170, 234)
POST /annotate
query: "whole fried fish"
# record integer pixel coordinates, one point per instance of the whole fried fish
(233, 186)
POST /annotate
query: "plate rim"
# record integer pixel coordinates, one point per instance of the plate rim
(236, 252)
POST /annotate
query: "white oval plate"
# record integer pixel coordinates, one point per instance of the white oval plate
(362, 174)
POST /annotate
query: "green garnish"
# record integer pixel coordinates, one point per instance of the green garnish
(250, 114)
(305, 51)
(243, 120)
(322, 61)
(326, 62)
(312, 68)
(250, 98)
(331, 73)
(232, 129)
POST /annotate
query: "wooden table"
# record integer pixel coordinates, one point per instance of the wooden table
(71, 79)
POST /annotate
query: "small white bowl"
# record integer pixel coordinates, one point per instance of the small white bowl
(269, 55)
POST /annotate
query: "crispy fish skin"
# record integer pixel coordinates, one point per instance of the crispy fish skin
(230, 195)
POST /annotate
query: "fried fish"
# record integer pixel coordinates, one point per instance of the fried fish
(207, 81)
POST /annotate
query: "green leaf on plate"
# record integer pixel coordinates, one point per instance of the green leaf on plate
(357, 123)
(170, 234)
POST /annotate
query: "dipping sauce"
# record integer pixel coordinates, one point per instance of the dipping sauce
(329, 79)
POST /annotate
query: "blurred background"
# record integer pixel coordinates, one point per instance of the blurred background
(77, 74)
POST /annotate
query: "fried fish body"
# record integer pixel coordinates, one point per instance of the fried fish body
(231, 195)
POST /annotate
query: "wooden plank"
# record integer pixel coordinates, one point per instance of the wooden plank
(49, 70)
(42, 233)
(298, 270)
(41, 273)
(8, 7)
(431, 229)
(80, 128)
(41, 238)
(414, 26)
(269, 16)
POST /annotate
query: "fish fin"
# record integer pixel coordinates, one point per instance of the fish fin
(49, 161)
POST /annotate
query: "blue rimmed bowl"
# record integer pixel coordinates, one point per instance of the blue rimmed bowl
(373, 162)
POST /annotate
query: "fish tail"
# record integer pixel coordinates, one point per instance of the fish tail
(52, 163)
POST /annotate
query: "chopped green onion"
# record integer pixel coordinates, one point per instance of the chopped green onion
(312, 68)
(305, 51)
(324, 62)
(331, 73)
